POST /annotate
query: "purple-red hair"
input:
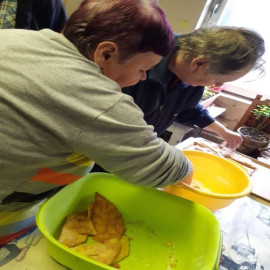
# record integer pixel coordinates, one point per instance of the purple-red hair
(136, 26)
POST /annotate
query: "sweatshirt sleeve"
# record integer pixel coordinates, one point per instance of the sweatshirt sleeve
(122, 143)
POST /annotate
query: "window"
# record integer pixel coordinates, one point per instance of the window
(251, 14)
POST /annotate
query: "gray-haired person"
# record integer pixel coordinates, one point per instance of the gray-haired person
(206, 57)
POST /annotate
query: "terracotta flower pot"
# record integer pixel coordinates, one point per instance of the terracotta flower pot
(252, 139)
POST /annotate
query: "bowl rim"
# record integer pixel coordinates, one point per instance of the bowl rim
(243, 193)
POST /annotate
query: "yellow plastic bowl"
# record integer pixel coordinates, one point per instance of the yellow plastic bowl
(220, 181)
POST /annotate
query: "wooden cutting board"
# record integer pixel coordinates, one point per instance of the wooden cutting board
(261, 183)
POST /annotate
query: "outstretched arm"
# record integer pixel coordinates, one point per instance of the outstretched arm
(232, 138)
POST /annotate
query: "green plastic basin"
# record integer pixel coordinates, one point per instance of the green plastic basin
(167, 232)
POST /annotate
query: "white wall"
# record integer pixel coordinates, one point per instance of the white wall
(235, 109)
(71, 5)
(182, 14)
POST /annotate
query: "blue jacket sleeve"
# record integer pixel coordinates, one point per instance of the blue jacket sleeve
(198, 116)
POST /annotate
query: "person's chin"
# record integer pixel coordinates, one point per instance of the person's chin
(194, 84)
(129, 84)
(191, 84)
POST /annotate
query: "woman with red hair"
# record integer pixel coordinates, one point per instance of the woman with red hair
(62, 108)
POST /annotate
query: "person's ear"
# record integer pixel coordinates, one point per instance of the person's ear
(198, 63)
(105, 52)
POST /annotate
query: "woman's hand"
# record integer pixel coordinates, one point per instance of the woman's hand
(234, 139)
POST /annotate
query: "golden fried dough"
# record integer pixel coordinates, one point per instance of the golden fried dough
(71, 238)
(103, 221)
(124, 251)
(101, 252)
(76, 229)
(107, 220)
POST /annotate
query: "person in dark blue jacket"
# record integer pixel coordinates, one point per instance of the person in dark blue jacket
(208, 56)
(161, 108)
(32, 14)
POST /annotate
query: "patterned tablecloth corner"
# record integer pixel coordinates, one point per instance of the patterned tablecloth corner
(245, 227)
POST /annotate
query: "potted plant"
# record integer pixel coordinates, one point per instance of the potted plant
(262, 115)
(256, 134)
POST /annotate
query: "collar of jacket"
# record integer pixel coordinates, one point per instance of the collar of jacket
(160, 73)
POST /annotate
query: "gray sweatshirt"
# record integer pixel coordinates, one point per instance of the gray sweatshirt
(58, 112)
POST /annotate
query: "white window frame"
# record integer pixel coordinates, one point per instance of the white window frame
(210, 17)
